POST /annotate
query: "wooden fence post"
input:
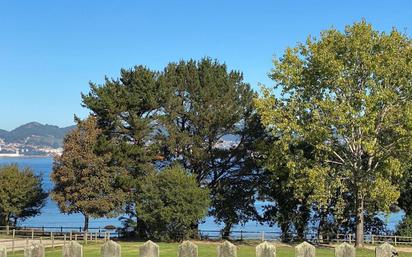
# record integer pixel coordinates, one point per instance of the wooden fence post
(52, 239)
(12, 244)
(32, 234)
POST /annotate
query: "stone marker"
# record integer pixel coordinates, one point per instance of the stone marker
(72, 249)
(226, 249)
(265, 250)
(187, 249)
(149, 249)
(385, 250)
(345, 250)
(3, 251)
(110, 249)
(33, 249)
(304, 250)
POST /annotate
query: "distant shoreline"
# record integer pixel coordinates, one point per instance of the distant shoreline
(26, 156)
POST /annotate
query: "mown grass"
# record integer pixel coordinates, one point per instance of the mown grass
(206, 249)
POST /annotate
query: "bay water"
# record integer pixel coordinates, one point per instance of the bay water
(51, 216)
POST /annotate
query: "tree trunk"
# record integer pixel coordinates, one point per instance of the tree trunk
(285, 236)
(320, 227)
(359, 221)
(302, 221)
(195, 230)
(5, 220)
(226, 231)
(86, 222)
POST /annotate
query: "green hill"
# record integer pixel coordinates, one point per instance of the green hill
(36, 134)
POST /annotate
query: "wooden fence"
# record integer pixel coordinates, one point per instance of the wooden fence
(375, 239)
(16, 239)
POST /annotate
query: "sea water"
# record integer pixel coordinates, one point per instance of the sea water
(51, 216)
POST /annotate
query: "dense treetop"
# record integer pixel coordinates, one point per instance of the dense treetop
(347, 95)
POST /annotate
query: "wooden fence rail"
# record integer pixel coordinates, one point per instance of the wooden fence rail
(53, 234)
(376, 239)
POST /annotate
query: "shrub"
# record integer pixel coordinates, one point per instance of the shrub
(405, 227)
(169, 203)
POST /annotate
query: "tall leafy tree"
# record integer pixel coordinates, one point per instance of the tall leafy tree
(210, 122)
(83, 181)
(21, 194)
(126, 109)
(186, 113)
(347, 94)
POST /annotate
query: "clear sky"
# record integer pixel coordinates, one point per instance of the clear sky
(50, 50)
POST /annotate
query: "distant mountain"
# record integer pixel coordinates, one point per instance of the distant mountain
(36, 134)
(3, 133)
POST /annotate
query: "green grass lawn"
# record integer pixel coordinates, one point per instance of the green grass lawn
(130, 249)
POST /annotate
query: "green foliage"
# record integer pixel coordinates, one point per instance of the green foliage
(83, 181)
(204, 102)
(405, 199)
(21, 194)
(125, 110)
(347, 95)
(151, 119)
(233, 202)
(205, 105)
(405, 227)
(170, 202)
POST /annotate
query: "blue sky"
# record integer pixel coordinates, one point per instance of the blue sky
(50, 50)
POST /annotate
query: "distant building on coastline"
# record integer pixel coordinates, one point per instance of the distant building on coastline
(16, 154)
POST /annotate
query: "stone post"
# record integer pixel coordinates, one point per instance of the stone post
(265, 249)
(187, 249)
(110, 249)
(149, 249)
(72, 249)
(226, 249)
(33, 249)
(3, 251)
(345, 250)
(385, 250)
(305, 250)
